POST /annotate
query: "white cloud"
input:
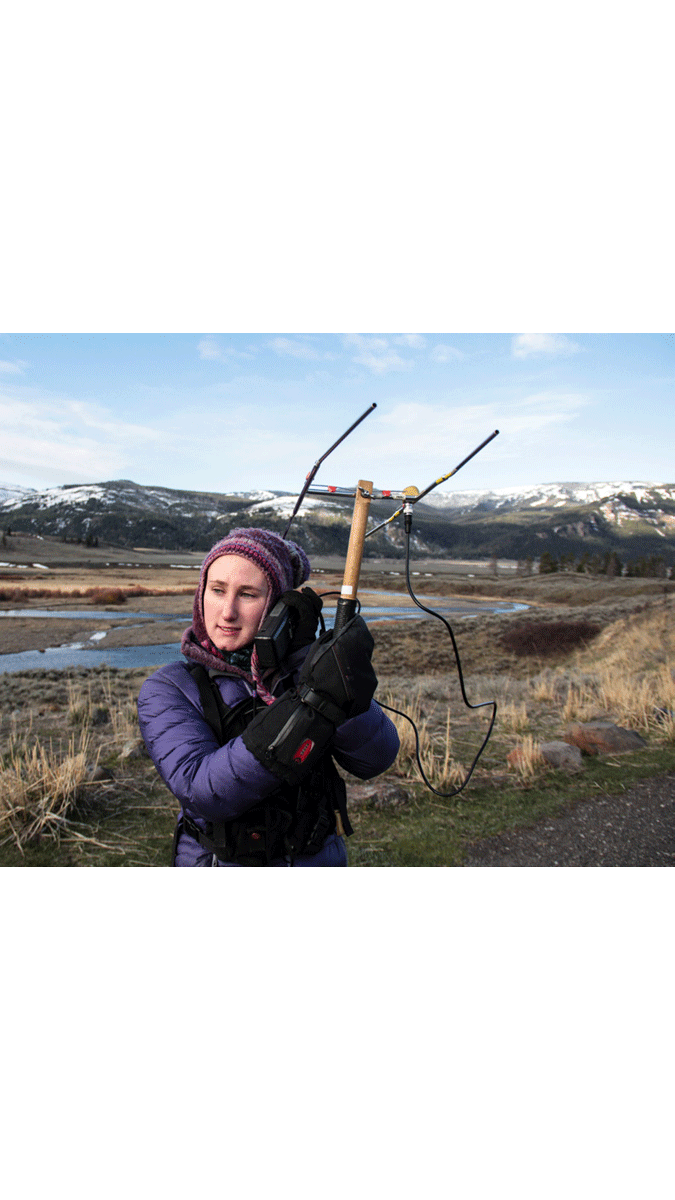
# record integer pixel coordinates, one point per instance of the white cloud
(13, 368)
(377, 355)
(553, 401)
(210, 348)
(414, 340)
(380, 364)
(69, 440)
(525, 344)
(446, 354)
(413, 441)
(365, 343)
(302, 350)
(295, 349)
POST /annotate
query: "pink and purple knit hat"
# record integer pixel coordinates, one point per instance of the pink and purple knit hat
(283, 563)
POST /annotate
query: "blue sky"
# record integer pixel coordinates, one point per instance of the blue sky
(224, 412)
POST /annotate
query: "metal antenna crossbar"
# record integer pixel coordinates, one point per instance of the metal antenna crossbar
(409, 495)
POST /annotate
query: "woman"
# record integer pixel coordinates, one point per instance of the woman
(248, 752)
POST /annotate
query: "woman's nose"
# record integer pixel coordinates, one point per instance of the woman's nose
(229, 605)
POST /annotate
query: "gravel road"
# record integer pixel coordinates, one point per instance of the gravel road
(634, 829)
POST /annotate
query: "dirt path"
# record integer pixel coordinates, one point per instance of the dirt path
(635, 829)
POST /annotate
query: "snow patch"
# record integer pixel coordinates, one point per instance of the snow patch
(552, 494)
(12, 492)
(283, 505)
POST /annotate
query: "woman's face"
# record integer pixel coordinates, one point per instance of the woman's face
(234, 601)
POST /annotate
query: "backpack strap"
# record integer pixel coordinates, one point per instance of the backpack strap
(210, 706)
(226, 721)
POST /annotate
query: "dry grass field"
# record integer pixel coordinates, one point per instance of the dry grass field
(77, 790)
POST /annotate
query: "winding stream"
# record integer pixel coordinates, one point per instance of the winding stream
(90, 653)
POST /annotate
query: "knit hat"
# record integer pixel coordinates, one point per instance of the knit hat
(283, 563)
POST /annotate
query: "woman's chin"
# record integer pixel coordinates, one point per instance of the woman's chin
(229, 641)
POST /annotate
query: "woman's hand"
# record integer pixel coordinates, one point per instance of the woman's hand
(305, 620)
(336, 682)
(338, 667)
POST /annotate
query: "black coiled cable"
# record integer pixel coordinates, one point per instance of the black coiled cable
(483, 704)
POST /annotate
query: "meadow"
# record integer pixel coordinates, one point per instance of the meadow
(77, 789)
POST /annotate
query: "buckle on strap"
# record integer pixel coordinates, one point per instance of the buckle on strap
(321, 704)
(200, 835)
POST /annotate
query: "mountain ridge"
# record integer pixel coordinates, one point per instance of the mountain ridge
(627, 518)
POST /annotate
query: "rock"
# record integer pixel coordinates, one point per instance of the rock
(390, 795)
(97, 774)
(376, 795)
(603, 737)
(562, 755)
(133, 749)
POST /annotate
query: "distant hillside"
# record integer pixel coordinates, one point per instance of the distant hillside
(573, 520)
(10, 491)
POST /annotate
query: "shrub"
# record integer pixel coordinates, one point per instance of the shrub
(548, 637)
(435, 750)
(527, 758)
(39, 789)
(97, 595)
(513, 715)
(107, 596)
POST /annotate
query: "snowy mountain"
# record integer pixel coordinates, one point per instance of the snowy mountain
(123, 513)
(553, 495)
(12, 492)
(632, 519)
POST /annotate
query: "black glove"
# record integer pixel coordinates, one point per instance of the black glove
(339, 669)
(288, 627)
(289, 737)
(337, 681)
(307, 606)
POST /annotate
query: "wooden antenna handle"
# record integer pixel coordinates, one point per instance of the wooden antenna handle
(346, 605)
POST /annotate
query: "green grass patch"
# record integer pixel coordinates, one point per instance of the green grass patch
(125, 824)
(431, 832)
(133, 827)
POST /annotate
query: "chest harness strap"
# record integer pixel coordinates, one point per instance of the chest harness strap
(295, 819)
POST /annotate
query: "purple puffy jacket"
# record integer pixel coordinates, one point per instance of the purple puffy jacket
(217, 783)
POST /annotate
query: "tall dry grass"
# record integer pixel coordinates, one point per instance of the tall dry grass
(123, 716)
(95, 595)
(39, 788)
(440, 768)
(527, 759)
(545, 687)
(119, 715)
(513, 716)
(435, 745)
(629, 677)
(644, 702)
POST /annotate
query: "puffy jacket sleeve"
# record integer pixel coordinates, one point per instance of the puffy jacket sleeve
(211, 781)
(366, 745)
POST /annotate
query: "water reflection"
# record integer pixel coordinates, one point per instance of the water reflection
(58, 658)
(99, 614)
(89, 654)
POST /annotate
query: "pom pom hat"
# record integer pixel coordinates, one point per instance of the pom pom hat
(284, 565)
